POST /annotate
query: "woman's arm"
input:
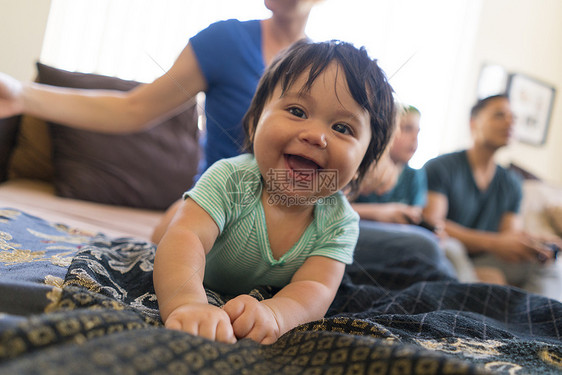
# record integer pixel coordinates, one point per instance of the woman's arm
(178, 275)
(107, 110)
(306, 298)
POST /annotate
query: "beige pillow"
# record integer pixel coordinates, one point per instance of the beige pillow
(32, 155)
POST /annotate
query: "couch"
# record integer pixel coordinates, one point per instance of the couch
(76, 212)
(117, 183)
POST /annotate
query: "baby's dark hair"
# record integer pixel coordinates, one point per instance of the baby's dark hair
(482, 103)
(367, 84)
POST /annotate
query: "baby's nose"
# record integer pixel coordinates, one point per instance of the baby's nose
(316, 136)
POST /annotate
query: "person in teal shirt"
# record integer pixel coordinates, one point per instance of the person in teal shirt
(479, 201)
(403, 202)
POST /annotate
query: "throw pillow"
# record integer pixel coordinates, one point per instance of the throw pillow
(32, 156)
(8, 132)
(150, 169)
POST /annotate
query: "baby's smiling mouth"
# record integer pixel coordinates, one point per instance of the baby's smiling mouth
(301, 163)
(301, 168)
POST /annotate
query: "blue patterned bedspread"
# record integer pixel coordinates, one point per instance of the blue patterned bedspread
(74, 302)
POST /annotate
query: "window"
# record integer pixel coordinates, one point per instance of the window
(423, 46)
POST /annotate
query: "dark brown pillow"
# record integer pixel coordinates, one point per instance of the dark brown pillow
(149, 169)
(8, 135)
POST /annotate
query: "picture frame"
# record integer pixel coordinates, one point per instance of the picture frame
(531, 101)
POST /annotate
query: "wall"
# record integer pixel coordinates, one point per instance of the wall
(22, 26)
(524, 36)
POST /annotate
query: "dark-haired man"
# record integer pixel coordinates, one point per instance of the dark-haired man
(479, 201)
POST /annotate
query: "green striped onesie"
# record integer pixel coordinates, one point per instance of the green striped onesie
(241, 257)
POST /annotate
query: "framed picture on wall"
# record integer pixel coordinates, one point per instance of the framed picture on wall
(531, 101)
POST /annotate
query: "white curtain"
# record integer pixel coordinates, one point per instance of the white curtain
(424, 46)
(131, 39)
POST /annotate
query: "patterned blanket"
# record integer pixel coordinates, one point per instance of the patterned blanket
(74, 302)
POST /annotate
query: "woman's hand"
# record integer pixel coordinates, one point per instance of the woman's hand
(252, 319)
(201, 319)
(11, 102)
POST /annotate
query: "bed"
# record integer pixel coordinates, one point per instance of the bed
(77, 295)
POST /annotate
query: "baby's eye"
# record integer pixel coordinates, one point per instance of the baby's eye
(342, 128)
(296, 111)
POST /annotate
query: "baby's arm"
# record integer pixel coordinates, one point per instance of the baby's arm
(306, 298)
(178, 275)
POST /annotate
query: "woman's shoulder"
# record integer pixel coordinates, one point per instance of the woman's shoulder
(229, 39)
(225, 27)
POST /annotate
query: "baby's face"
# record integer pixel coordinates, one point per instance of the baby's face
(312, 143)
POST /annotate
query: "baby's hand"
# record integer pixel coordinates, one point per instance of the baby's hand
(252, 319)
(202, 319)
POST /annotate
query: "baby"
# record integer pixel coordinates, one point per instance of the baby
(321, 115)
